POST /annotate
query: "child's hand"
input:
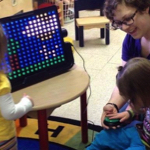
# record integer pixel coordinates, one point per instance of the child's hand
(25, 95)
(123, 116)
(107, 109)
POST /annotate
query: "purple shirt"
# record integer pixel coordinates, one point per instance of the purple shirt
(131, 48)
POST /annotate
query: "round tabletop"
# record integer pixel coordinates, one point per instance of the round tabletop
(57, 90)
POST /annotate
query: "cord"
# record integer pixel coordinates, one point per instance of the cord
(93, 130)
(86, 72)
(89, 86)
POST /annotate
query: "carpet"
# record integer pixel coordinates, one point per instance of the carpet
(64, 134)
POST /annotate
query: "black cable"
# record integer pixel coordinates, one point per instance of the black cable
(93, 130)
(89, 85)
(86, 72)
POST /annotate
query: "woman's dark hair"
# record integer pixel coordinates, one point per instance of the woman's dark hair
(110, 6)
(133, 80)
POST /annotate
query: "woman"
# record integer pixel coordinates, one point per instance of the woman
(132, 17)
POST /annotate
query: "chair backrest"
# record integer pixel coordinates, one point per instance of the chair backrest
(88, 5)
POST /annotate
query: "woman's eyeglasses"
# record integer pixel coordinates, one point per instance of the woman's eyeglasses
(128, 21)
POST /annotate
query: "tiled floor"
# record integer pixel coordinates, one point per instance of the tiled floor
(101, 62)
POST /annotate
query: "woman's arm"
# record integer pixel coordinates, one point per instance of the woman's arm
(115, 99)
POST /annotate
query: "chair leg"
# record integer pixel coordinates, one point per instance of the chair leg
(102, 33)
(76, 33)
(107, 37)
(81, 36)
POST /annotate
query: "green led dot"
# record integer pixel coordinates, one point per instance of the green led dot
(10, 53)
(9, 49)
(27, 68)
(32, 70)
(31, 66)
(15, 76)
(18, 46)
(39, 64)
(22, 69)
(52, 63)
(58, 57)
(12, 43)
(28, 71)
(59, 60)
(36, 69)
(47, 65)
(63, 59)
(19, 75)
(55, 58)
(51, 59)
(62, 55)
(18, 71)
(43, 62)
(14, 72)
(44, 66)
(13, 47)
(40, 67)
(47, 61)
(35, 65)
(23, 73)
(10, 78)
(17, 42)
(11, 40)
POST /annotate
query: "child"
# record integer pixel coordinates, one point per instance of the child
(8, 110)
(133, 81)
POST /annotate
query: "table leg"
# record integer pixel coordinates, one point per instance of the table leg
(23, 121)
(43, 130)
(84, 125)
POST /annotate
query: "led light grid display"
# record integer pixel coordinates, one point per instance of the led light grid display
(34, 42)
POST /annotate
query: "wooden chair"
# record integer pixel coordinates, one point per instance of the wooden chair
(83, 23)
(45, 3)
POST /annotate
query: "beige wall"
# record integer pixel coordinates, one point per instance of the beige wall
(6, 8)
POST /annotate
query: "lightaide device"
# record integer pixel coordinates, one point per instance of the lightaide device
(36, 50)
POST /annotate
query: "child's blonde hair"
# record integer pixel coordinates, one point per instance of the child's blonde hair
(3, 50)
